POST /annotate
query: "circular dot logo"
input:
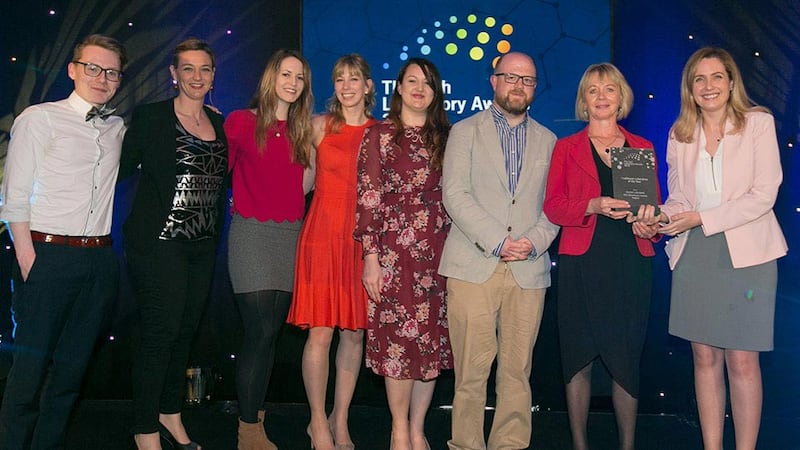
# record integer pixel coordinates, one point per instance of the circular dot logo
(503, 46)
(477, 36)
(476, 53)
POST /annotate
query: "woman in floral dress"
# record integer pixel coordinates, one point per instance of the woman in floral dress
(402, 225)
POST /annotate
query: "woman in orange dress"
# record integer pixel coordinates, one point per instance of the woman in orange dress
(328, 293)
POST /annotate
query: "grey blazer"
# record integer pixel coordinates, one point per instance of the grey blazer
(476, 196)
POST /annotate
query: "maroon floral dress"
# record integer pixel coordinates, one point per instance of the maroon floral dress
(399, 216)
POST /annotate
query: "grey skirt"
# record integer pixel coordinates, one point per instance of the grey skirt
(712, 303)
(261, 254)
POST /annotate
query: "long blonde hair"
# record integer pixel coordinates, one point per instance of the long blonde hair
(738, 103)
(298, 122)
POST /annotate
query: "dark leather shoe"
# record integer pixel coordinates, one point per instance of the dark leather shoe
(174, 444)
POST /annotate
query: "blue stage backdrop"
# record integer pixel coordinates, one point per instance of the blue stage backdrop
(463, 39)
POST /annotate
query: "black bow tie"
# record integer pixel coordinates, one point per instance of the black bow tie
(102, 112)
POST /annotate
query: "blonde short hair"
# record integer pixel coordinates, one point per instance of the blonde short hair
(613, 74)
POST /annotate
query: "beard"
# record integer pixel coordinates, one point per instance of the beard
(515, 105)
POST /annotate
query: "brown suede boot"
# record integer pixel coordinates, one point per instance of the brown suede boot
(253, 437)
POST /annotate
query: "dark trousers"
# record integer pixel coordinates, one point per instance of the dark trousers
(171, 281)
(59, 311)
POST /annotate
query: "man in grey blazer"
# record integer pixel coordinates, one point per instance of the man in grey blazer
(495, 256)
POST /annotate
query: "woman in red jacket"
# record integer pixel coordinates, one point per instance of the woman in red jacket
(604, 275)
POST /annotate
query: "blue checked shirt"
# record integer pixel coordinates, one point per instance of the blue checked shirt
(512, 142)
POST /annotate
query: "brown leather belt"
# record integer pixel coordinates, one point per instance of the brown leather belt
(72, 241)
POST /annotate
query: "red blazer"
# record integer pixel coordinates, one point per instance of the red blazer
(571, 182)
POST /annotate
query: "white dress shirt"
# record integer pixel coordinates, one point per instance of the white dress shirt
(61, 170)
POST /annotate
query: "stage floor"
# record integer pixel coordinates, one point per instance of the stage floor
(104, 424)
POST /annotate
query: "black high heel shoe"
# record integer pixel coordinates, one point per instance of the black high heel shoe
(167, 436)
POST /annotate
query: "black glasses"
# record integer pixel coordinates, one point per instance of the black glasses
(512, 78)
(93, 70)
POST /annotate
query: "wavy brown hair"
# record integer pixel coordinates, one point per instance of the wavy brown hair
(437, 125)
(738, 102)
(356, 64)
(298, 122)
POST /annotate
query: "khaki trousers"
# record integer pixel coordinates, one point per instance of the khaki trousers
(495, 319)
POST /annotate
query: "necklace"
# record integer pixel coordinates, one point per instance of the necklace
(604, 143)
(189, 116)
(714, 132)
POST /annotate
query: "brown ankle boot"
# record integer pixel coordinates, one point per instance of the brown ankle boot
(253, 437)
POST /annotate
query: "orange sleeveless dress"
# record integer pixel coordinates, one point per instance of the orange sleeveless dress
(327, 278)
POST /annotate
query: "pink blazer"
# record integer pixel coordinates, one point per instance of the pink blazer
(751, 174)
(571, 182)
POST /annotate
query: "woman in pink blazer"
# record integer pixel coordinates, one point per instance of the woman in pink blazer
(724, 173)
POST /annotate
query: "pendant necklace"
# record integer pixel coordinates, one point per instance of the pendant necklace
(606, 145)
(189, 116)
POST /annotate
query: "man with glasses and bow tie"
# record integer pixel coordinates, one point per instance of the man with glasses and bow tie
(495, 256)
(57, 195)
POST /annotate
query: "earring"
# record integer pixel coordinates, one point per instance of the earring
(174, 84)
(211, 88)
(585, 113)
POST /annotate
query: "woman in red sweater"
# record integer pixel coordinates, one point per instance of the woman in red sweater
(269, 153)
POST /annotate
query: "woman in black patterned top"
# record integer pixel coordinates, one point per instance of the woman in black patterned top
(171, 237)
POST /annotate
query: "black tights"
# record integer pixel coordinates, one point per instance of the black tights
(263, 314)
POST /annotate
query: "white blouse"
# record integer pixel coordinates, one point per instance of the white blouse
(708, 176)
